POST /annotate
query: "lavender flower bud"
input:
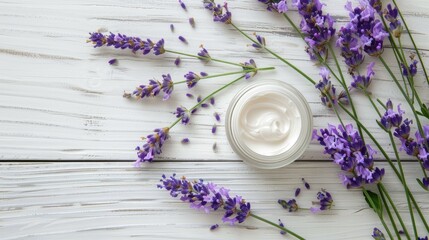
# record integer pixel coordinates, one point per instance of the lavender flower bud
(182, 4)
(282, 225)
(217, 116)
(183, 114)
(189, 95)
(279, 6)
(185, 140)
(377, 234)
(172, 27)
(113, 61)
(363, 82)
(192, 22)
(213, 227)
(182, 39)
(297, 191)
(212, 101)
(177, 61)
(214, 128)
(204, 54)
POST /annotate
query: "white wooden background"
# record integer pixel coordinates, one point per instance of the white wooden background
(67, 135)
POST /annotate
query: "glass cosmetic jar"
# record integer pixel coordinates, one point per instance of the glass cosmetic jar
(269, 124)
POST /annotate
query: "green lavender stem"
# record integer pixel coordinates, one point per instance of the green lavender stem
(412, 40)
(275, 55)
(379, 214)
(389, 213)
(276, 225)
(203, 58)
(208, 97)
(398, 57)
(231, 73)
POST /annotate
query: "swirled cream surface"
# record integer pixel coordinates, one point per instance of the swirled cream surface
(269, 123)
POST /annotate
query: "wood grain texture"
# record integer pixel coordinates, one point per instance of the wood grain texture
(117, 201)
(60, 100)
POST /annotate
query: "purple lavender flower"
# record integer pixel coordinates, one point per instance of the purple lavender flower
(183, 114)
(155, 87)
(325, 202)
(122, 41)
(167, 86)
(192, 79)
(250, 66)
(351, 47)
(376, 4)
(261, 42)
(151, 90)
(204, 55)
(282, 225)
(113, 61)
(208, 197)
(177, 61)
(363, 82)
(347, 149)
(391, 118)
(391, 15)
(182, 39)
(192, 22)
(279, 6)
(377, 234)
(411, 71)
(153, 145)
(182, 4)
(367, 28)
(213, 227)
(289, 205)
(220, 13)
(422, 238)
(316, 26)
(327, 90)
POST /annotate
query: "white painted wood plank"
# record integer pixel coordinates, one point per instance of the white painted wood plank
(59, 99)
(117, 201)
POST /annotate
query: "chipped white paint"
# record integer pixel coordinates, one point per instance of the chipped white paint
(60, 100)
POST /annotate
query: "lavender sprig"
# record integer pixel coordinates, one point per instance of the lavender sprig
(347, 149)
(328, 93)
(317, 27)
(209, 197)
(136, 44)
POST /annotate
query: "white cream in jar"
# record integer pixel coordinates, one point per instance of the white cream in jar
(269, 124)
